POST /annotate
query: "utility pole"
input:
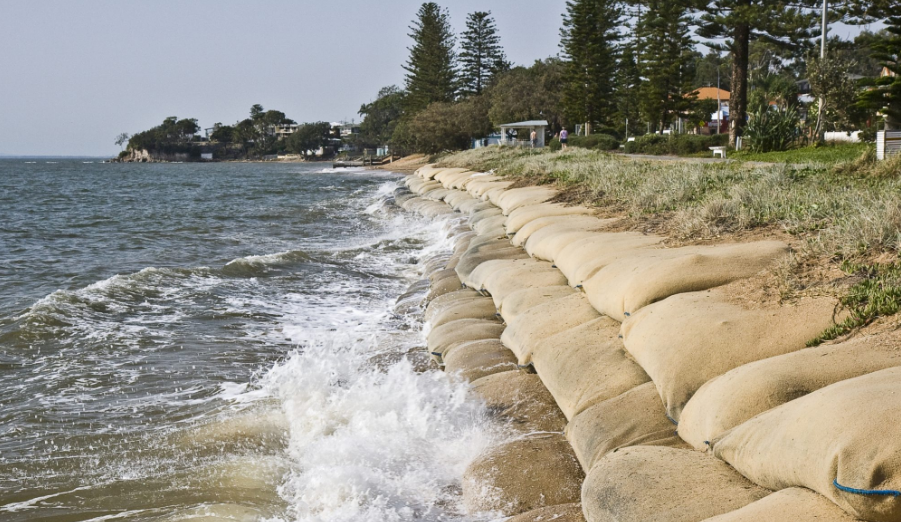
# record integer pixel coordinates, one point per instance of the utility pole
(821, 115)
(719, 102)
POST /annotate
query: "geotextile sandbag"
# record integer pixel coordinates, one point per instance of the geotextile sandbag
(519, 401)
(516, 198)
(456, 198)
(480, 206)
(443, 286)
(479, 215)
(476, 359)
(578, 221)
(518, 302)
(791, 504)
(478, 254)
(523, 475)
(526, 332)
(842, 441)
(634, 418)
(449, 300)
(628, 284)
(645, 483)
(558, 513)
(524, 215)
(584, 365)
(493, 193)
(445, 337)
(478, 187)
(519, 275)
(436, 194)
(466, 206)
(669, 338)
(494, 224)
(478, 308)
(581, 259)
(443, 174)
(731, 399)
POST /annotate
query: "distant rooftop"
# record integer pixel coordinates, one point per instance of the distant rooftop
(710, 93)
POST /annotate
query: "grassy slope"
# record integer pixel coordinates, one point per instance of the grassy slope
(834, 209)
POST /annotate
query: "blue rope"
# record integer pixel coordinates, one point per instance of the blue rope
(672, 420)
(886, 492)
(627, 314)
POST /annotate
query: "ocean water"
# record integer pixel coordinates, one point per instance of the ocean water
(219, 342)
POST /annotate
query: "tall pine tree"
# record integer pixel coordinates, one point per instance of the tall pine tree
(628, 84)
(741, 21)
(884, 94)
(666, 61)
(431, 68)
(481, 54)
(589, 40)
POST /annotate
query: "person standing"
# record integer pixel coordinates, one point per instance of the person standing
(564, 137)
(534, 138)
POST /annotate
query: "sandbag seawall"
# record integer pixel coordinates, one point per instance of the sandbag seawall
(617, 360)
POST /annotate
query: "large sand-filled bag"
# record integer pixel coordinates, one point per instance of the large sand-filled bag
(669, 339)
(583, 258)
(489, 268)
(585, 365)
(525, 273)
(443, 286)
(476, 255)
(457, 198)
(440, 304)
(494, 224)
(435, 264)
(466, 206)
(493, 193)
(792, 504)
(558, 513)
(520, 301)
(424, 186)
(578, 221)
(528, 330)
(524, 215)
(480, 308)
(624, 286)
(842, 441)
(480, 206)
(520, 197)
(645, 483)
(437, 194)
(444, 173)
(746, 391)
(445, 337)
(480, 215)
(519, 401)
(522, 475)
(458, 181)
(473, 360)
(428, 171)
(478, 187)
(635, 418)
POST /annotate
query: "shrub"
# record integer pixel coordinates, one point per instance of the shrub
(772, 129)
(595, 142)
(675, 144)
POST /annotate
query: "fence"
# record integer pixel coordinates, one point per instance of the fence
(888, 143)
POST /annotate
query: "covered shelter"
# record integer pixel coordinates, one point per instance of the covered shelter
(509, 130)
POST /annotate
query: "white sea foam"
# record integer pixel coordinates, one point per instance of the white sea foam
(368, 445)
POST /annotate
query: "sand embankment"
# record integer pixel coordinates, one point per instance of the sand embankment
(641, 384)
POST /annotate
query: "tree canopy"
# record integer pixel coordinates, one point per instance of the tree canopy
(589, 40)
(481, 55)
(431, 67)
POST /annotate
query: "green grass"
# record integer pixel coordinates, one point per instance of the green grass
(829, 154)
(878, 294)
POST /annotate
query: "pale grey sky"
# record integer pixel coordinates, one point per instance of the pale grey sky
(75, 73)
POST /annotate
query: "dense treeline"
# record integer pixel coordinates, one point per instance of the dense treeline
(253, 137)
(633, 66)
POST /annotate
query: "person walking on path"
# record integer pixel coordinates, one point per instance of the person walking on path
(563, 138)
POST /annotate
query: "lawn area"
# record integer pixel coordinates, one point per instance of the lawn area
(829, 154)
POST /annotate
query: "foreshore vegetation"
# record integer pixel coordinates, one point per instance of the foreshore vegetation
(841, 216)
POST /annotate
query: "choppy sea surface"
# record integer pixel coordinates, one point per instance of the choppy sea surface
(219, 342)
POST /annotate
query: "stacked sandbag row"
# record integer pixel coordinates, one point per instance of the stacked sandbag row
(731, 377)
(535, 474)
